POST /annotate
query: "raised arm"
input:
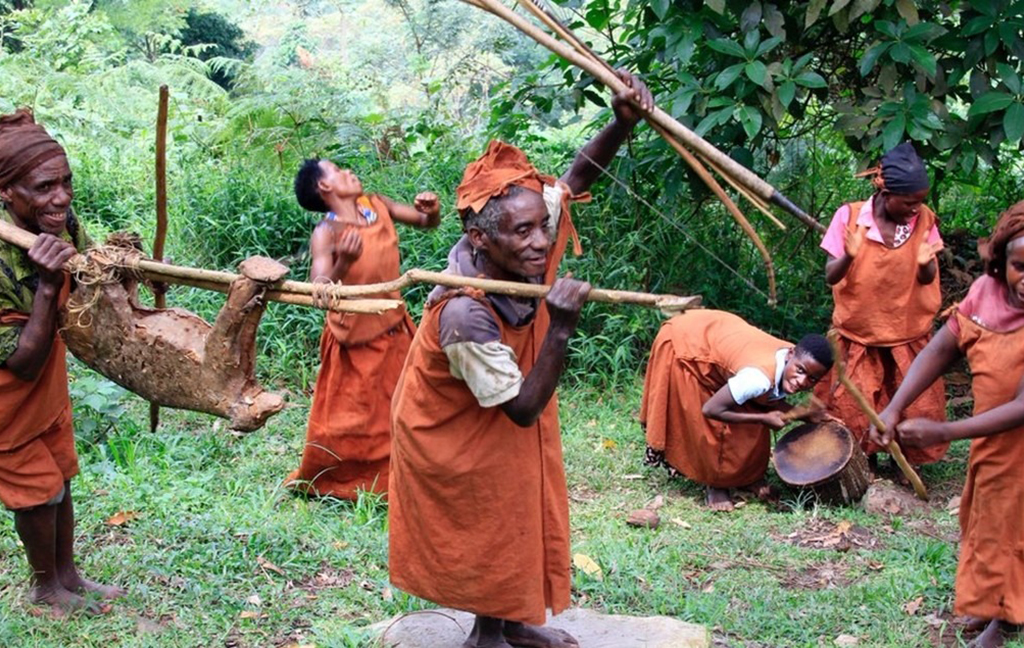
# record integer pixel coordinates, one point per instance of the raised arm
(425, 211)
(49, 254)
(331, 260)
(940, 353)
(599, 151)
(564, 301)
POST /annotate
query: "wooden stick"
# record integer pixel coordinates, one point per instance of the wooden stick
(692, 141)
(674, 303)
(160, 297)
(892, 448)
(215, 280)
(303, 293)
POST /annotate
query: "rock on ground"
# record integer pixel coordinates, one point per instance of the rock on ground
(446, 628)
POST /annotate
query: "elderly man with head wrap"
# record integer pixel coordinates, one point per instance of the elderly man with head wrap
(37, 444)
(883, 271)
(479, 511)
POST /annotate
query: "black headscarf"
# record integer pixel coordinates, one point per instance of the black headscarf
(903, 170)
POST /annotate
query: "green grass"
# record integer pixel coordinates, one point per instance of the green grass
(219, 554)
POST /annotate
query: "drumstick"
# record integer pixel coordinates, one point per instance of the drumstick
(892, 448)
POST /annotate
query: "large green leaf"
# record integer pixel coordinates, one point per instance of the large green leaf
(727, 76)
(811, 80)
(787, 91)
(892, 134)
(990, 102)
(750, 118)
(867, 63)
(814, 8)
(660, 8)
(924, 59)
(756, 72)
(1013, 122)
(1009, 77)
(726, 46)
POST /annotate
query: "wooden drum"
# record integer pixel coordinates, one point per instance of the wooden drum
(826, 458)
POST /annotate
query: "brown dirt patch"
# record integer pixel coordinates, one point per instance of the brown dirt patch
(947, 630)
(825, 575)
(822, 534)
(327, 577)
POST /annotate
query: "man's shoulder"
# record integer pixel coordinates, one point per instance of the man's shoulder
(467, 319)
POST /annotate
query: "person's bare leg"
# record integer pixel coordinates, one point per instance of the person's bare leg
(528, 636)
(486, 633)
(995, 635)
(719, 499)
(65, 552)
(37, 528)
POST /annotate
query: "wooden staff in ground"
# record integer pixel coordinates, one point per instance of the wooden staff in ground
(891, 446)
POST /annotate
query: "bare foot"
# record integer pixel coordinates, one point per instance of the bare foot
(486, 633)
(62, 602)
(718, 499)
(995, 635)
(81, 585)
(528, 636)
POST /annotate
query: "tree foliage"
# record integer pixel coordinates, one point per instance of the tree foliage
(748, 75)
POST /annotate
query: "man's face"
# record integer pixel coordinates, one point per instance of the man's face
(1015, 271)
(904, 207)
(340, 182)
(802, 372)
(40, 200)
(522, 243)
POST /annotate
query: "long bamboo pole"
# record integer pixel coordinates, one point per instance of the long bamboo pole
(340, 296)
(692, 141)
(892, 448)
(160, 297)
(584, 50)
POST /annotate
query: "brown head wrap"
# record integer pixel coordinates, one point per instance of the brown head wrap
(500, 167)
(24, 145)
(993, 248)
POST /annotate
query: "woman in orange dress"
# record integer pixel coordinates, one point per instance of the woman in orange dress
(348, 438)
(987, 328)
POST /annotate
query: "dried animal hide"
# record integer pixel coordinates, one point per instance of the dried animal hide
(172, 357)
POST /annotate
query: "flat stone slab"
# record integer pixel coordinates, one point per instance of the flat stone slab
(446, 628)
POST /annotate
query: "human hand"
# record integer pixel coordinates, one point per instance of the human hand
(921, 432)
(926, 252)
(49, 254)
(349, 246)
(774, 419)
(855, 240)
(428, 204)
(565, 299)
(883, 438)
(635, 92)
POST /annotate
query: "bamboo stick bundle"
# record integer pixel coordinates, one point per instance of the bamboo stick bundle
(592, 64)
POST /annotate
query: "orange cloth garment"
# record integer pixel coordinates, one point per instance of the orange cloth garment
(479, 511)
(880, 302)
(878, 372)
(348, 437)
(478, 516)
(30, 474)
(693, 356)
(990, 574)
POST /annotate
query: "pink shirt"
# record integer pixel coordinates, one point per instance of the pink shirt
(834, 241)
(986, 304)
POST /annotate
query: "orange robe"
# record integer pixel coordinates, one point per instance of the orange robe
(694, 355)
(479, 510)
(990, 575)
(37, 441)
(348, 438)
(884, 319)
